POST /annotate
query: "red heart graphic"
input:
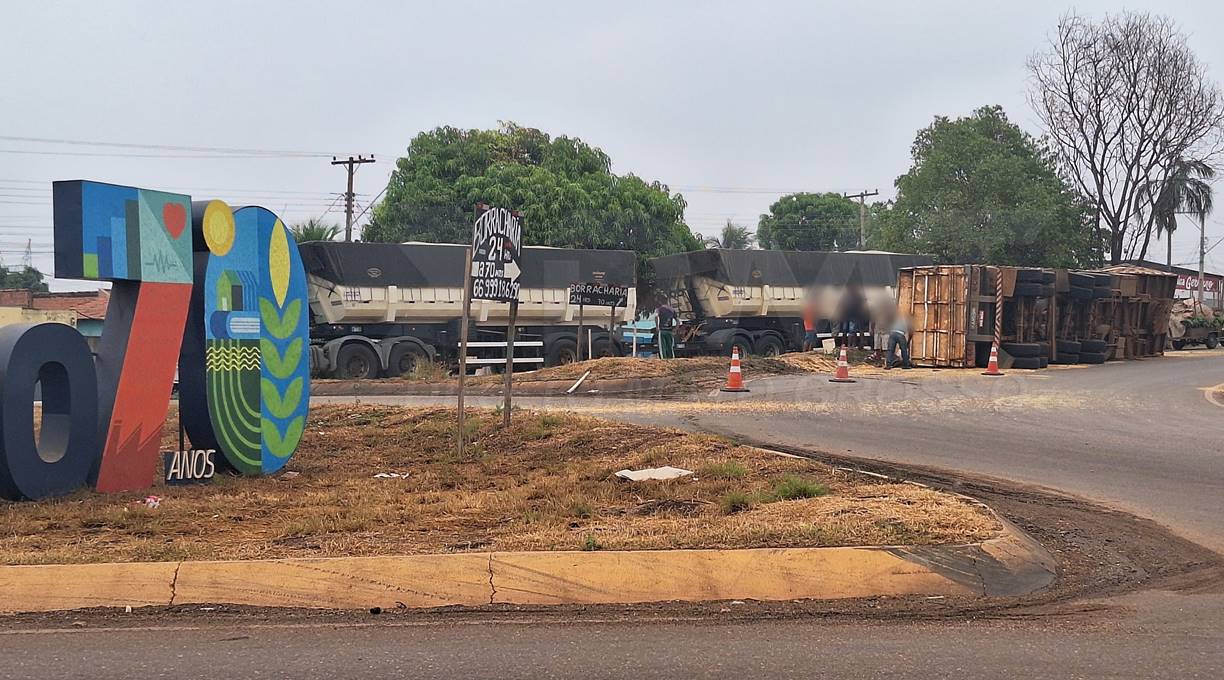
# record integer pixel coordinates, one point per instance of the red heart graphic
(175, 218)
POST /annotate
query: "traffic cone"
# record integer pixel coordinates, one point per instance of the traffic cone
(735, 379)
(843, 369)
(992, 368)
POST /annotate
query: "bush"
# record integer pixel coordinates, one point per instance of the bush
(735, 501)
(725, 470)
(792, 487)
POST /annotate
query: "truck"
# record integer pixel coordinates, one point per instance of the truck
(754, 299)
(384, 309)
(1192, 323)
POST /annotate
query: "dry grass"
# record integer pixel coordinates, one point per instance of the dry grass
(545, 484)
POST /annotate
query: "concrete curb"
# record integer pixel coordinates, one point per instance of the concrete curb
(1010, 564)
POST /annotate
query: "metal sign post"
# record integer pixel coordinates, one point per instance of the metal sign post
(579, 348)
(493, 269)
(463, 341)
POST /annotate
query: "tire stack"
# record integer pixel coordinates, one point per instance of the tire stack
(1027, 355)
(1033, 283)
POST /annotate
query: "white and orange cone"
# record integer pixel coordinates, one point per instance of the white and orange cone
(992, 368)
(843, 369)
(735, 378)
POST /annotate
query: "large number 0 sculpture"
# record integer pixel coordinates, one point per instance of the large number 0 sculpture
(226, 286)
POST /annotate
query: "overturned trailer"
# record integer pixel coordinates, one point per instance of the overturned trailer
(381, 308)
(1037, 316)
(754, 299)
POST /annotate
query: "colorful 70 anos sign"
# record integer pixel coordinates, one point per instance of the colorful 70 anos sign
(220, 292)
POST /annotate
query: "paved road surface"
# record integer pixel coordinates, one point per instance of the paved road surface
(1114, 433)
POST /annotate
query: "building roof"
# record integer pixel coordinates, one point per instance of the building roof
(1180, 271)
(87, 304)
(1136, 269)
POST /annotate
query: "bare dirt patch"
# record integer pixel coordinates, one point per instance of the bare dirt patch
(546, 483)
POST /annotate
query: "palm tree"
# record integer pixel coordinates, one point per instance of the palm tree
(314, 229)
(1186, 190)
(734, 237)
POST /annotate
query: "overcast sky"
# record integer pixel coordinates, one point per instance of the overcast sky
(731, 103)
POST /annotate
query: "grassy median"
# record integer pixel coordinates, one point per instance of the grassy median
(546, 483)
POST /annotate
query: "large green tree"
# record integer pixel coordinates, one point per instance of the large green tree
(810, 222)
(563, 187)
(983, 190)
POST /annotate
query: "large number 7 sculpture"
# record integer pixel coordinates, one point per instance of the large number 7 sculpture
(225, 286)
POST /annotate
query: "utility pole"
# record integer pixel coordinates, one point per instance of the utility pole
(351, 164)
(1202, 254)
(862, 197)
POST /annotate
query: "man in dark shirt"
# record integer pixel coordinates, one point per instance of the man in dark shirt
(851, 311)
(666, 322)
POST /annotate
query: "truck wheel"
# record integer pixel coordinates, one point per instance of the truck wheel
(604, 348)
(1213, 341)
(404, 360)
(769, 346)
(356, 362)
(563, 351)
(744, 344)
(1178, 344)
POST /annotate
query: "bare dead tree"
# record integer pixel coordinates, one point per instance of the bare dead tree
(1122, 101)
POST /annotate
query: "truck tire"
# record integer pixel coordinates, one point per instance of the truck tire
(1066, 359)
(1029, 276)
(769, 346)
(1082, 280)
(1082, 293)
(1178, 344)
(604, 347)
(1022, 350)
(405, 358)
(744, 344)
(1068, 346)
(1092, 357)
(1026, 362)
(560, 352)
(1092, 345)
(356, 361)
(1213, 341)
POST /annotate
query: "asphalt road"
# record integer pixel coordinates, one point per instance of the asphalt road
(1140, 436)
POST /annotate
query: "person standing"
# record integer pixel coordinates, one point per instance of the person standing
(665, 322)
(810, 338)
(898, 336)
(850, 313)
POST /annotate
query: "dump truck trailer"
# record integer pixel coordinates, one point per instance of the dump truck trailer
(380, 309)
(754, 299)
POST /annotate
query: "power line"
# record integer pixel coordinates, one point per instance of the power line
(169, 147)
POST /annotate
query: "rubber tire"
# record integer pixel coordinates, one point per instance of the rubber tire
(1049, 278)
(604, 348)
(1066, 359)
(1179, 344)
(1029, 276)
(1022, 350)
(1102, 293)
(1068, 346)
(1047, 290)
(1104, 281)
(356, 361)
(1093, 345)
(1213, 341)
(1092, 357)
(401, 352)
(1026, 363)
(561, 351)
(745, 346)
(1081, 293)
(1081, 280)
(1027, 290)
(769, 346)
(1045, 361)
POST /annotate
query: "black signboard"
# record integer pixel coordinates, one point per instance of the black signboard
(497, 242)
(599, 294)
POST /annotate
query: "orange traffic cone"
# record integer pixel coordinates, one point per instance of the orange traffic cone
(735, 379)
(843, 369)
(993, 367)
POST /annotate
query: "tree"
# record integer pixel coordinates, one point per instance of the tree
(732, 237)
(563, 187)
(27, 278)
(1121, 101)
(314, 229)
(810, 222)
(982, 190)
(1187, 189)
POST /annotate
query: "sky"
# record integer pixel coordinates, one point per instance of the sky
(732, 104)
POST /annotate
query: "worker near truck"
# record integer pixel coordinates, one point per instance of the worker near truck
(898, 336)
(810, 314)
(850, 313)
(665, 324)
